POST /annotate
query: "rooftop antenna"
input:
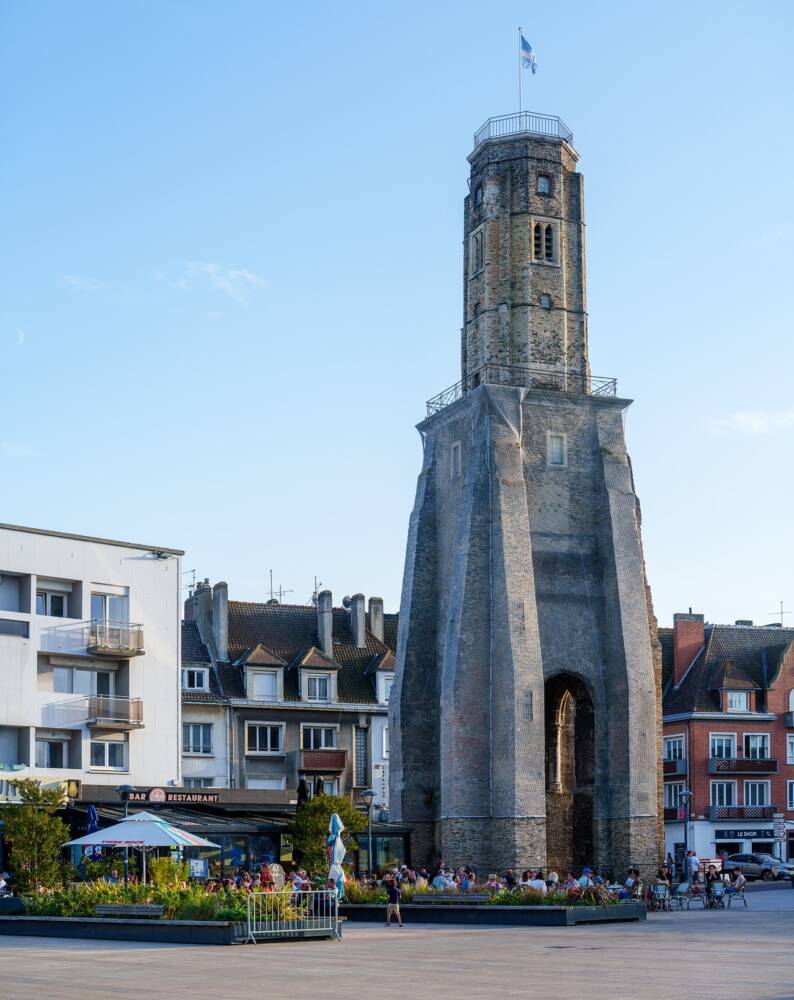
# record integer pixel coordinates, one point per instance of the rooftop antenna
(192, 585)
(781, 613)
(277, 594)
(316, 591)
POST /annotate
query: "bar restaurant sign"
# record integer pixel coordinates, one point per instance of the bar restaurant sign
(174, 796)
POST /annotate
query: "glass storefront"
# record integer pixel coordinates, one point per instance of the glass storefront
(390, 850)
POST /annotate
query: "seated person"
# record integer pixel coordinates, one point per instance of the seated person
(493, 884)
(538, 883)
(525, 881)
(737, 881)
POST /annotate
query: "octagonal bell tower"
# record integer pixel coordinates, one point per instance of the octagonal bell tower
(526, 706)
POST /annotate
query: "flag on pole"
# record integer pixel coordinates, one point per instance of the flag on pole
(528, 56)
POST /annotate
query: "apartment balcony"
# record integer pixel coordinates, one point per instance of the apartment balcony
(100, 712)
(674, 814)
(322, 760)
(740, 812)
(674, 768)
(742, 765)
(115, 640)
(788, 720)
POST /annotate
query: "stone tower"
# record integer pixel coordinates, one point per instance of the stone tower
(526, 701)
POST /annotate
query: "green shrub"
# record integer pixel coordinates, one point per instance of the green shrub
(168, 871)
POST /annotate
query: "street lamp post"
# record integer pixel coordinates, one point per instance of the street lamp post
(368, 795)
(124, 792)
(686, 795)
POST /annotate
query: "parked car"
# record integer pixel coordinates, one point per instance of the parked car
(763, 866)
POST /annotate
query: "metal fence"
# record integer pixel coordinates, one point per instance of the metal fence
(286, 914)
(525, 121)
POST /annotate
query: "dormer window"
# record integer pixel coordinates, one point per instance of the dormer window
(737, 701)
(385, 682)
(318, 687)
(263, 685)
(195, 679)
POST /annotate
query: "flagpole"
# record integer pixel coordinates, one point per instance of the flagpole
(520, 97)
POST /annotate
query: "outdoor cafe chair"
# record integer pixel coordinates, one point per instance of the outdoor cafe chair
(682, 896)
(660, 896)
(736, 894)
(717, 896)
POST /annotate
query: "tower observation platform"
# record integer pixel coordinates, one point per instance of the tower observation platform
(524, 122)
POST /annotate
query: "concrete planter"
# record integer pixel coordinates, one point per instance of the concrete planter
(506, 916)
(112, 929)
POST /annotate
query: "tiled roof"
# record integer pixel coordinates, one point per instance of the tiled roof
(193, 649)
(733, 656)
(390, 623)
(289, 631)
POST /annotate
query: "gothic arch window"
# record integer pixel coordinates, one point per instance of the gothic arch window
(537, 241)
(548, 242)
(477, 251)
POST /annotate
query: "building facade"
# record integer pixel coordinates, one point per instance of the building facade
(89, 660)
(275, 695)
(728, 737)
(527, 720)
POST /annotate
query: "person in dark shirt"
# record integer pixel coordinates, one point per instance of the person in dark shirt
(393, 906)
(510, 880)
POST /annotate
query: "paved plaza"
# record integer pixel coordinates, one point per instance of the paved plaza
(732, 955)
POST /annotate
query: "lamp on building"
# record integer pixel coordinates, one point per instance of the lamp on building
(124, 791)
(366, 797)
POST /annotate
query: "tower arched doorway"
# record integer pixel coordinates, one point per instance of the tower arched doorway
(570, 772)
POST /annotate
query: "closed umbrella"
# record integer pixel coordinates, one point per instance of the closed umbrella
(303, 792)
(92, 827)
(142, 831)
(318, 786)
(336, 853)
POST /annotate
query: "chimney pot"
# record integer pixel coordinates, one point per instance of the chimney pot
(325, 622)
(358, 620)
(689, 633)
(376, 617)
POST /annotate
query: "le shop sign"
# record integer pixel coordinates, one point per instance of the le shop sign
(173, 796)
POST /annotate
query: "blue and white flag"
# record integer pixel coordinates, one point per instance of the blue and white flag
(528, 56)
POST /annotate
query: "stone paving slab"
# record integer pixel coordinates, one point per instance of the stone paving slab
(731, 955)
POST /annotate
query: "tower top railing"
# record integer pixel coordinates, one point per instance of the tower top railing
(538, 377)
(527, 122)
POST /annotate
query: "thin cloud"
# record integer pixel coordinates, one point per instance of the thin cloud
(755, 421)
(234, 282)
(83, 282)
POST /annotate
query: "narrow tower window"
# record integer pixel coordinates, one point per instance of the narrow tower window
(545, 301)
(548, 242)
(537, 241)
(476, 252)
(454, 460)
(478, 195)
(544, 184)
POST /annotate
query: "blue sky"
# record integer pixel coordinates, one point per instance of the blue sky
(231, 272)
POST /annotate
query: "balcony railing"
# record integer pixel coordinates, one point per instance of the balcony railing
(323, 760)
(674, 768)
(740, 812)
(674, 814)
(742, 765)
(528, 122)
(99, 712)
(119, 640)
(538, 377)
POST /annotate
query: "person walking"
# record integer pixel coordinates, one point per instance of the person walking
(393, 905)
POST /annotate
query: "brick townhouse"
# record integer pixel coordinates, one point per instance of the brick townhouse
(728, 704)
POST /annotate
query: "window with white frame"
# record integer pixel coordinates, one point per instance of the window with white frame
(51, 753)
(199, 782)
(455, 464)
(197, 737)
(195, 679)
(110, 755)
(738, 701)
(556, 449)
(756, 793)
(264, 737)
(73, 680)
(384, 685)
(320, 737)
(756, 746)
(790, 795)
(723, 793)
(386, 741)
(477, 251)
(264, 685)
(109, 608)
(722, 745)
(672, 794)
(674, 748)
(790, 749)
(318, 687)
(51, 602)
(330, 787)
(267, 784)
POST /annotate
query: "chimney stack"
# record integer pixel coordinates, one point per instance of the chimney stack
(376, 617)
(202, 609)
(220, 618)
(325, 622)
(689, 633)
(358, 621)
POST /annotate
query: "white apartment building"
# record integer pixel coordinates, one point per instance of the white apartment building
(89, 660)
